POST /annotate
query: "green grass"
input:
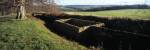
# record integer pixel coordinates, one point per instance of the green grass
(32, 35)
(124, 13)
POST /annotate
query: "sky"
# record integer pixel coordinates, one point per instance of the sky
(101, 2)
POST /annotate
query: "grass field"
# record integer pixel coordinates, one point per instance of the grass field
(125, 13)
(31, 35)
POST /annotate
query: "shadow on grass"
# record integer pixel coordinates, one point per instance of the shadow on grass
(118, 34)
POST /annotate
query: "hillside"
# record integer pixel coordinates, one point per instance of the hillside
(101, 33)
(31, 35)
(101, 7)
(123, 13)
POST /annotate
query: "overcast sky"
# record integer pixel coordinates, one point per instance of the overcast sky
(101, 2)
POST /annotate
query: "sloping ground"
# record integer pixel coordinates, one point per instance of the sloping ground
(123, 24)
(32, 35)
(123, 13)
(116, 34)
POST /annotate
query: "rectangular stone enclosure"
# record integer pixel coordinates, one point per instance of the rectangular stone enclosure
(77, 25)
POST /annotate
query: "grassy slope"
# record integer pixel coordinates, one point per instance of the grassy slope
(129, 13)
(32, 35)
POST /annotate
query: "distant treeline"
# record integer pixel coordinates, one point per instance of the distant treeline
(118, 7)
(113, 7)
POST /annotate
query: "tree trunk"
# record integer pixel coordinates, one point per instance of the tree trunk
(2, 11)
(21, 12)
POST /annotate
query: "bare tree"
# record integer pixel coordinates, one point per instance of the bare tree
(21, 7)
(21, 12)
(2, 3)
(6, 6)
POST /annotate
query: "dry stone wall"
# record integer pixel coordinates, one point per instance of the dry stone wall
(77, 25)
